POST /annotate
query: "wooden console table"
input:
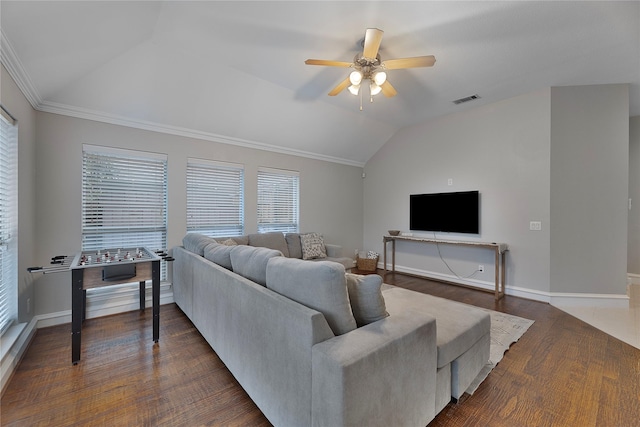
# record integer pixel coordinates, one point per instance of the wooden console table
(499, 248)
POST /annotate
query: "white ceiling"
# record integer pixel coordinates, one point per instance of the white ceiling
(234, 71)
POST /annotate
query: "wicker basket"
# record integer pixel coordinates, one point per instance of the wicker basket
(367, 264)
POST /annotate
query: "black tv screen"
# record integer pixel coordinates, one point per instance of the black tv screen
(445, 212)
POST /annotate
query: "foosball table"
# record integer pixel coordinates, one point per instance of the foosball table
(107, 267)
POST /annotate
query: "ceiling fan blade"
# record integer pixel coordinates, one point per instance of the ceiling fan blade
(341, 86)
(372, 40)
(328, 63)
(418, 61)
(388, 90)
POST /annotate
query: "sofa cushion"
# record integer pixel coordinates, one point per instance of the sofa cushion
(365, 295)
(293, 244)
(312, 246)
(459, 326)
(196, 242)
(219, 253)
(273, 240)
(251, 262)
(318, 285)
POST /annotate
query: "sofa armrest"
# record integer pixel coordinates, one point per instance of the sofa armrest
(382, 374)
(333, 251)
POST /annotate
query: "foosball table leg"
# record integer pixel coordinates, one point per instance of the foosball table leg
(142, 295)
(77, 309)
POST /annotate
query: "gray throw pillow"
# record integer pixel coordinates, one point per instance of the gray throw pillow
(365, 295)
(318, 285)
(293, 244)
(251, 263)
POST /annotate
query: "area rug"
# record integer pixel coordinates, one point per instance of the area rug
(505, 330)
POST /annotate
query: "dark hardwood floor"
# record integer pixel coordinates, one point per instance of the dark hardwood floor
(562, 372)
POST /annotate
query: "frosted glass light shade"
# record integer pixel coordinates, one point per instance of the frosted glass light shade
(355, 77)
(354, 89)
(375, 89)
(380, 77)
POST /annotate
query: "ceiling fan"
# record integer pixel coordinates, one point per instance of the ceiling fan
(369, 66)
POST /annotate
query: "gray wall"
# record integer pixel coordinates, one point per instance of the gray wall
(633, 255)
(502, 150)
(559, 156)
(330, 193)
(589, 188)
(12, 98)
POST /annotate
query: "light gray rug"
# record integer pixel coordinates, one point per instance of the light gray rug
(505, 330)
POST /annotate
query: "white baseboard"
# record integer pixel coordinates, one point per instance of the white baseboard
(14, 343)
(589, 300)
(516, 291)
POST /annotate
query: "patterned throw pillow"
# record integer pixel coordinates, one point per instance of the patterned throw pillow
(229, 242)
(312, 246)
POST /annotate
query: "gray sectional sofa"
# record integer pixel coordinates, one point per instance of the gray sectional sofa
(313, 345)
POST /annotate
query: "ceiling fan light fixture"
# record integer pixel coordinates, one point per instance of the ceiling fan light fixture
(354, 89)
(355, 77)
(380, 77)
(375, 89)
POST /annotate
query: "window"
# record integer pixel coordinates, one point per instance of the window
(8, 220)
(124, 200)
(215, 198)
(278, 200)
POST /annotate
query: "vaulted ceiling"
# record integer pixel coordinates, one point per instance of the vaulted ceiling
(234, 71)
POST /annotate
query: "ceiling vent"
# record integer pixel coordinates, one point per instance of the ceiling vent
(466, 99)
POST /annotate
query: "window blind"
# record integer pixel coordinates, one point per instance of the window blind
(215, 198)
(8, 221)
(278, 200)
(124, 200)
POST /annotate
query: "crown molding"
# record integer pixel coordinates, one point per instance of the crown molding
(83, 113)
(17, 72)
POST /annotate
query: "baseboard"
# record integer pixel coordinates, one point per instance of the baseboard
(589, 300)
(516, 291)
(13, 351)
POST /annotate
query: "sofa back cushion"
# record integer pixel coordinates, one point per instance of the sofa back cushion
(240, 240)
(219, 253)
(273, 240)
(293, 244)
(365, 295)
(318, 285)
(251, 263)
(196, 242)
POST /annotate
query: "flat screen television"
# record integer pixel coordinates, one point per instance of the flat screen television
(457, 212)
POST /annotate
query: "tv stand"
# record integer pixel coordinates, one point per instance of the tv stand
(499, 248)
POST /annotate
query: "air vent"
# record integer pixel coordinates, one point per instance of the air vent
(466, 99)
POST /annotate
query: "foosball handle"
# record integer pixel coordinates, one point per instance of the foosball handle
(32, 269)
(168, 259)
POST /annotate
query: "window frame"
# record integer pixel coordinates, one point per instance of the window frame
(278, 210)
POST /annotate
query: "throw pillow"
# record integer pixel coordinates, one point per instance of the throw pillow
(318, 285)
(312, 246)
(293, 244)
(366, 298)
(229, 242)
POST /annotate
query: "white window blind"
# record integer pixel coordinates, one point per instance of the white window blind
(124, 200)
(8, 221)
(215, 198)
(278, 200)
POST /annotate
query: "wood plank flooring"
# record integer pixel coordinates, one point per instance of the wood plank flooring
(562, 372)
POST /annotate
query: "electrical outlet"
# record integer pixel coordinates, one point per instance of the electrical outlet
(450, 181)
(481, 268)
(535, 225)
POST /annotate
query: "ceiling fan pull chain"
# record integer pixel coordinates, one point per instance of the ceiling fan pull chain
(361, 99)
